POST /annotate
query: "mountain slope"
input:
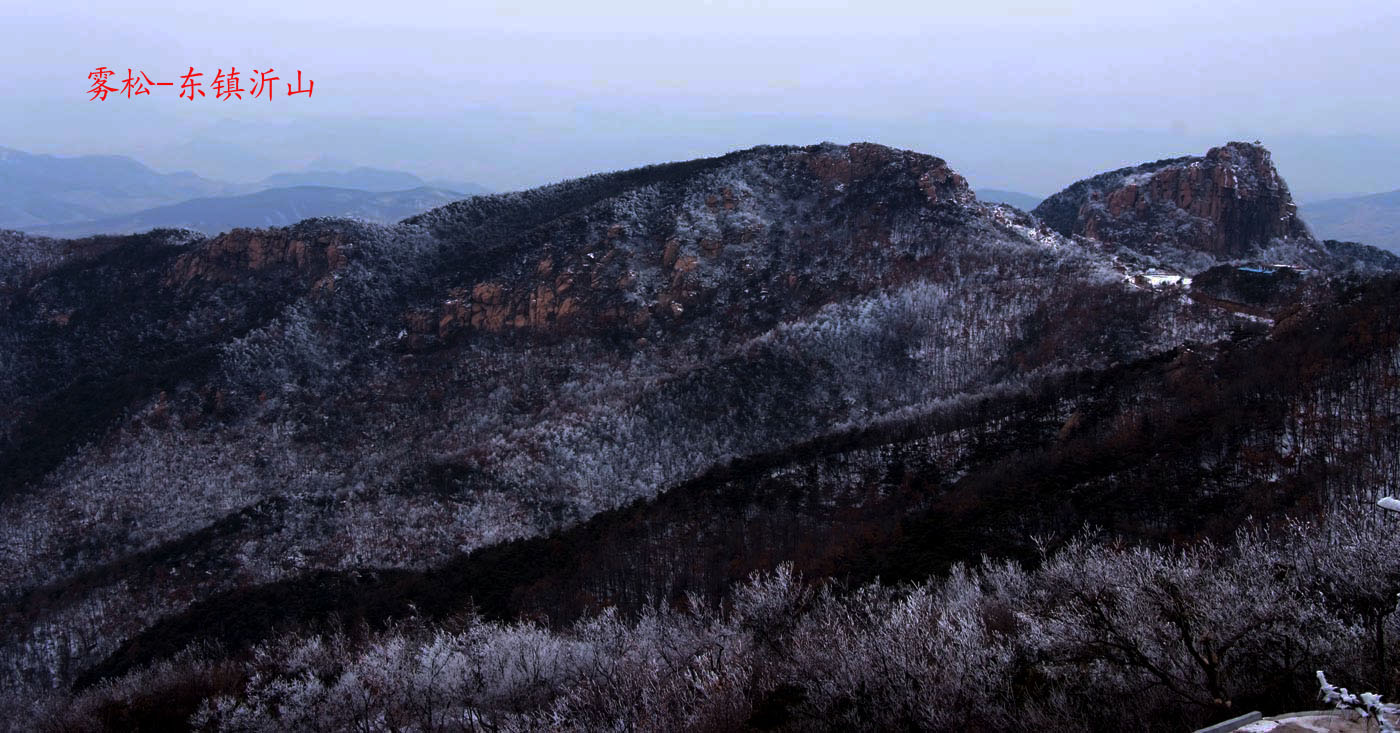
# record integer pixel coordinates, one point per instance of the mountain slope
(1184, 444)
(185, 417)
(273, 207)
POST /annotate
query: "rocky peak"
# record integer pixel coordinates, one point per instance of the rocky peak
(1229, 204)
(736, 241)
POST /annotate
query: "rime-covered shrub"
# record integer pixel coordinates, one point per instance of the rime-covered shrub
(1188, 635)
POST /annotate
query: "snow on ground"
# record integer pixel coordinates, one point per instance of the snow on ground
(1013, 220)
(1320, 721)
(1158, 279)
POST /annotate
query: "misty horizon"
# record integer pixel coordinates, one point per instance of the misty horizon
(1310, 165)
(1016, 95)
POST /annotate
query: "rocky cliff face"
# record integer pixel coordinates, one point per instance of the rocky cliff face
(245, 253)
(1230, 204)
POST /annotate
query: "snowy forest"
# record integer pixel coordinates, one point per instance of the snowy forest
(795, 438)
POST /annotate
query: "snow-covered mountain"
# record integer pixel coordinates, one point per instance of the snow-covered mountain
(645, 384)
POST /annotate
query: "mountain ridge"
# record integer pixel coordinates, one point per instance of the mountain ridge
(340, 397)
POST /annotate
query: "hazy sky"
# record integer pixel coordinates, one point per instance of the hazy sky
(1014, 93)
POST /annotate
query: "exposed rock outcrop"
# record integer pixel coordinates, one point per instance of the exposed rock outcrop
(778, 232)
(1230, 204)
(232, 256)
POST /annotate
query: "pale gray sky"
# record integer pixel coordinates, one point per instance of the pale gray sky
(1015, 93)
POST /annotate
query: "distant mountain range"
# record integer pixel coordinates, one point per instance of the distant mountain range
(369, 179)
(271, 208)
(1022, 201)
(1373, 219)
(37, 190)
(107, 193)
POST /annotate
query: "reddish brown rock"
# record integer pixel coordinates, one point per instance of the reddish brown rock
(487, 293)
(601, 275)
(940, 183)
(1229, 204)
(235, 255)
